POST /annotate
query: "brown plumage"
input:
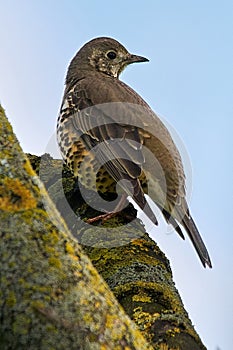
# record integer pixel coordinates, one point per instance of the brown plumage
(104, 128)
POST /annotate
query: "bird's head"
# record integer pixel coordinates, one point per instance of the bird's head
(104, 55)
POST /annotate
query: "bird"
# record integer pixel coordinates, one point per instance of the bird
(109, 135)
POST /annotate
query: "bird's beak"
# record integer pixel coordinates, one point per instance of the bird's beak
(135, 58)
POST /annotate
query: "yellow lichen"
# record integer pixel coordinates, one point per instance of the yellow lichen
(172, 332)
(51, 237)
(103, 347)
(15, 196)
(176, 330)
(69, 248)
(97, 304)
(55, 262)
(88, 318)
(142, 297)
(139, 242)
(164, 346)
(28, 168)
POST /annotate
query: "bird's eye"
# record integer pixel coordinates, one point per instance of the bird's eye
(111, 55)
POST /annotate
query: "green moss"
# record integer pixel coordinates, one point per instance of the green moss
(50, 328)
(37, 304)
(21, 324)
(11, 299)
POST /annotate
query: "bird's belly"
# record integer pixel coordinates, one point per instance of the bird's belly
(91, 175)
(86, 168)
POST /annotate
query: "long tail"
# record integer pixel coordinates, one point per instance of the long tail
(141, 201)
(196, 239)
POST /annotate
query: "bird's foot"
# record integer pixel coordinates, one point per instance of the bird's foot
(102, 217)
(119, 207)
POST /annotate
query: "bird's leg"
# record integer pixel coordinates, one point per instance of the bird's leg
(107, 216)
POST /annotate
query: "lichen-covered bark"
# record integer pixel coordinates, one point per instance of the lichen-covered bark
(51, 296)
(131, 263)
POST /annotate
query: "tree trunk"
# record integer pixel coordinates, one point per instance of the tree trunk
(51, 295)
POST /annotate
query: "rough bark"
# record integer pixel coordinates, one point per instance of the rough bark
(52, 295)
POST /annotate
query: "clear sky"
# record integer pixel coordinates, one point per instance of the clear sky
(188, 80)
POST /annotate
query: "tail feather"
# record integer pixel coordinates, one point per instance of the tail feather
(196, 239)
(141, 201)
(170, 220)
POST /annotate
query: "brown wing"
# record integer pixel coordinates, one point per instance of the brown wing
(116, 145)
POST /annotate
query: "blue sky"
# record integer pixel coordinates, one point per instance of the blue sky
(188, 81)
